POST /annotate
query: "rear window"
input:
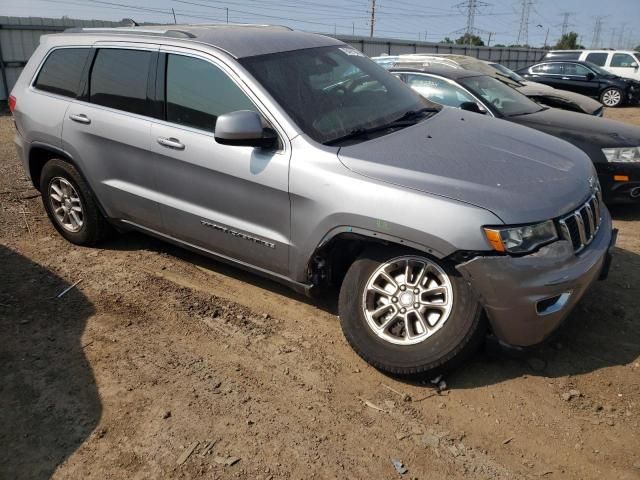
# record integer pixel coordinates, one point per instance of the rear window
(599, 59)
(623, 60)
(563, 55)
(62, 71)
(119, 80)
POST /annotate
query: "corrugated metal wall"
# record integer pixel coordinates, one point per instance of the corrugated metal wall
(19, 37)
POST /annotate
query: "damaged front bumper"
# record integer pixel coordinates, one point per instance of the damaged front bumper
(526, 298)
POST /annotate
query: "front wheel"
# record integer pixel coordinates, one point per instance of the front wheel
(611, 97)
(408, 314)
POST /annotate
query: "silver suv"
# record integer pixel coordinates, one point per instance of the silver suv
(294, 156)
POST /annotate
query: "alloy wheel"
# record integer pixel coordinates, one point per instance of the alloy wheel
(66, 204)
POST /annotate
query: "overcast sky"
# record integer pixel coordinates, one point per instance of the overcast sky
(411, 19)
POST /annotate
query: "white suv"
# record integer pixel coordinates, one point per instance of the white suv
(623, 63)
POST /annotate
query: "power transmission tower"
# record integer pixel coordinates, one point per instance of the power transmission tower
(621, 37)
(565, 22)
(597, 31)
(523, 33)
(372, 21)
(472, 8)
(612, 42)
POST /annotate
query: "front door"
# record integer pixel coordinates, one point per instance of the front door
(231, 200)
(624, 65)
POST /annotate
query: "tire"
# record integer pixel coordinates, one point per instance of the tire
(441, 347)
(612, 97)
(85, 227)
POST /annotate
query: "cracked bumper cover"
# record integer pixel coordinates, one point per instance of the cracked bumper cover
(511, 287)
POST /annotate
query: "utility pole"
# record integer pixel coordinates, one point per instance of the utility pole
(546, 38)
(372, 21)
(523, 33)
(612, 42)
(227, 8)
(597, 31)
(174, 16)
(489, 41)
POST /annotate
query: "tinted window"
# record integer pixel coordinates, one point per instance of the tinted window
(623, 60)
(575, 69)
(506, 100)
(597, 58)
(119, 80)
(199, 92)
(62, 71)
(438, 90)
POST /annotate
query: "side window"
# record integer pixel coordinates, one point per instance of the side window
(623, 60)
(547, 68)
(119, 80)
(198, 93)
(599, 59)
(575, 69)
(438, 90)
(62, 71)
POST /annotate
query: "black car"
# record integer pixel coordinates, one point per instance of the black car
(585, 78)
(614, 147)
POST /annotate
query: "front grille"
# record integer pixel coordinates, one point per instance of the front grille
(581, 226)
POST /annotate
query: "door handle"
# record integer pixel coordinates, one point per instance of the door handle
(171, 143)
(81, 118)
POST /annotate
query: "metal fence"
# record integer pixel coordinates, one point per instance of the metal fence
(19, 37)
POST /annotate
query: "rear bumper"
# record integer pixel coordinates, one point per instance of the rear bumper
(527, 298)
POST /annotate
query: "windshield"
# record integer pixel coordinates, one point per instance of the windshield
(506, 100)
(509, 73)
(331, 92)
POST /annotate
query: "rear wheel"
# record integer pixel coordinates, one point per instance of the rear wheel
(70, 204)
(408, 314)
(611, 97)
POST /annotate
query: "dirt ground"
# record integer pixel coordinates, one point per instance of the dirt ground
(159, 352)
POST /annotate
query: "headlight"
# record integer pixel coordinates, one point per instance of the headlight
(521, 239)
(624, 154)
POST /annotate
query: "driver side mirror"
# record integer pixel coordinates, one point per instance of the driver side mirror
(471, 107)
(243, 128)
(590, 76)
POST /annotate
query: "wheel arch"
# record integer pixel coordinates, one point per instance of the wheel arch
(340, 247)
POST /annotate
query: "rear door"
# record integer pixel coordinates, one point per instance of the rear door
(624, 65)
(230, 200)
(547, 73)
(107, 131)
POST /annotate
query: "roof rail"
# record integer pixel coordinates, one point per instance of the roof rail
(170, 32)
(166, 31)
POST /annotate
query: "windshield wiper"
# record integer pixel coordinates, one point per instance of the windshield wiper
(406, 120)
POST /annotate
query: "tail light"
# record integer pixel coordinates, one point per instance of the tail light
(12, 103)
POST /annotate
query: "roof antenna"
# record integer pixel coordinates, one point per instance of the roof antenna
(129, 22)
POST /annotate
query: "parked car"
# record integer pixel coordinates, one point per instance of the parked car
(585, 78)
(614, 147)
(297, 157)
(544, 94)
(623, 63)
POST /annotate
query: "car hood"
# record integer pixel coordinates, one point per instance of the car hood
(584, 131)
(517, 173)
(584, 103)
